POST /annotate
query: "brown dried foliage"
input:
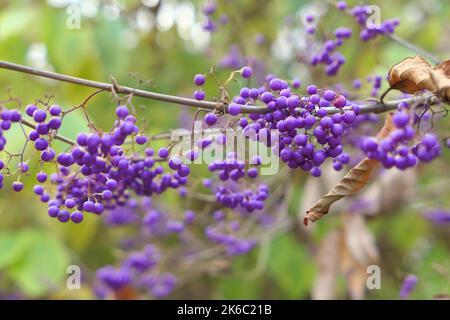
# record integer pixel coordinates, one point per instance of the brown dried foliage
(414, 74)
(353, 181)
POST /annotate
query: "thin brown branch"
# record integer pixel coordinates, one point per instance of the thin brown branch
(210, 105)
(114, 87)
(57, 136)
(379, 107)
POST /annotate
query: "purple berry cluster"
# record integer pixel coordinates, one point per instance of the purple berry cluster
(48, 122)
(227, 230)
(306, 135)
(7, 118)
(138, 270)
(369, 32)
(211, 22)
(98, 173)
(121, 216)
(328, 55)
(397, 150)
(230, 193)
(310, 27)
(250, 198)
(376, 82)
(428, 148)
(157, 223)
(146, 253)
(233, 59)
(225, 233)
(199, 80)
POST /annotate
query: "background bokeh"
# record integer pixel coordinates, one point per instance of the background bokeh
(160, 46)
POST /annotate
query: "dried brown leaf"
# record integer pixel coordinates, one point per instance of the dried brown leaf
(314, 186)
(414, 74)
(445, 67)
(351, 183)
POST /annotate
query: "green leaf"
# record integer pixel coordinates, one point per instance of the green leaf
(42, 266)
(14, 22)
(242, 284)
(432, 272)
(291, 267)
(12, 246)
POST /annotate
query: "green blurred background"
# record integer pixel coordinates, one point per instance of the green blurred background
(158, 49)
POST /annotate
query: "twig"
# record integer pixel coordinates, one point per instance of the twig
(210, 105)
(365, 108)
(57, 136)
(122, 89)
(381, 107)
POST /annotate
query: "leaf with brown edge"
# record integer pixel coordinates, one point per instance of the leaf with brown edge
(414, 74)
(352, 182)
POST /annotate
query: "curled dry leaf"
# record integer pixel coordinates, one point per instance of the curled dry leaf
(414, 74)
(391, 190)
(316, 186)
(352, 182)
